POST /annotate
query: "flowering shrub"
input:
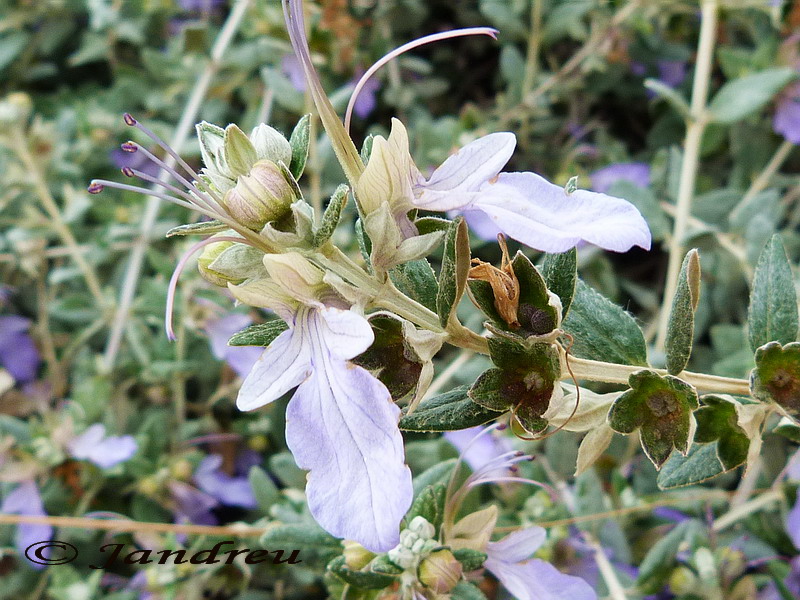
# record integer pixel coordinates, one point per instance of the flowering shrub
(427, 389)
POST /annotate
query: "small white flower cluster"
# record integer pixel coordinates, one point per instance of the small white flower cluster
(416, 544)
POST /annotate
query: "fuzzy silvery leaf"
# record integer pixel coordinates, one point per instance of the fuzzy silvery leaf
(382, 230)
(470, 560)
(450, 411)
(661, 407)
(776, 377)
(362, 579)
(264, 489)
(560, 272)
(772, 316)
(680, 330)
(594, 443)
(299, 142)
(418, 246)
(700, 464)
(454, 271)
(201, 228)
(212, 141)
(745, 95)
(260, 334)
(332, 216)
(669, 94)
(417, 280)
(602, 330)
(429, 505)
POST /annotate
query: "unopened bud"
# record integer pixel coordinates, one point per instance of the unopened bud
(402, 557)
(270, 144)
(440, 571)
(356, 556)
(148, 486)
(422, 527)
(240, 155)
(258, 443)
(682, 581)
(208, 256)
(260, 197)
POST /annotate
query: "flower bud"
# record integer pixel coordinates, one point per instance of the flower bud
(402, 557)
(682, 581)
(260, 197)
(440, 571)
(240, 155)
(356, 556)
(270, 145)
(422, 527)
(207, 256)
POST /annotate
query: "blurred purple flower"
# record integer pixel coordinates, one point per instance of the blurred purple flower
(291, 67)
(787, 114)
(25, 500)
(133, 160)
(670, 514)
(190, 505)
(532, 578)
(479, 223)
(478, 452)
(105, 452)
(205, 6)
(672, 72)
(793, 522)
(233, 490)
(18, 354)
(635, 172)
(367, 97)
(240, 358)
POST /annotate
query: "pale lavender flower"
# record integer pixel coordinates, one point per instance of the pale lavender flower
(104, 451)
(367, 100)
(341, 423)
(240, 358)
(233, 490)
(480, 451)
(636, 173)
(18, 354)
(291, 67)
(25, 500)
(792, 580)
(786, 121)
(524, 206)
(793, 522)
(190, 505)
(531, 578)
(133, 160)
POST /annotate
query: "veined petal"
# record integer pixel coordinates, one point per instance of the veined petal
(473, 165)
(519, 545)
(341, 425)
(390, 171)
(539, 580)
(285, 364)
(542, 215)
(346, 334)
(265, 293)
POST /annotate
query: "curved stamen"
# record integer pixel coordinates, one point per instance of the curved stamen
(156, 181)
(173, 281)
(96, 186)
(544, 486)
(210, 200)
(428, 39)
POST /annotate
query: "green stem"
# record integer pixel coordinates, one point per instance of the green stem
(595, 370)
(691, 158)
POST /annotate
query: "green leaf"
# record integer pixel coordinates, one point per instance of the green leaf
(772, 316)
(603, 331)
(260, 334)
(658, 563)
(440, 472)
(776, 377)
(429, 505)
(745, 95)
(332, 216)
(718, 421)
(661, 406)
(680, 330)
(305, 536)
(417, 280)
(470, 560)
(264, 489)
(560, 272)
(299, 141)
(670, 95)
(455, 267)
(450, 411)
(390, 358)
(700, 464)
(360, 579)
(201, 228)
(466, 591)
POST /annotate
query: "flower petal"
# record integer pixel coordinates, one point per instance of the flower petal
(474, 164)
(341, 425)
(283, 365)
(539, 580)
(347, 334)
(103, 451)
(542, 215)
(519, 545)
